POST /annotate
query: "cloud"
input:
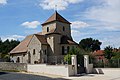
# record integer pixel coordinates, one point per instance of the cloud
(33, 31)
(110, 40)
(12, 37)
(107, 13)
(79, 24)
(3, 2)
(61, 4)
(32, 24)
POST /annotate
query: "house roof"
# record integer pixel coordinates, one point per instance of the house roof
(56, 17)
(22, 47)
(98, 53)
(67, 40)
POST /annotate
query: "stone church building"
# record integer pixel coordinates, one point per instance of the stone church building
(50, 45)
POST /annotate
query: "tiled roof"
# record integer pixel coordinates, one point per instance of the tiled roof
(98, 52)
(67, 40)
(41, 38)
(22, 47)
(56, 17)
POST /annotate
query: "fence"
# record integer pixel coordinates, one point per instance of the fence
(113, 63)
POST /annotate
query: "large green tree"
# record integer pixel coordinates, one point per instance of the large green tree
(90, 44)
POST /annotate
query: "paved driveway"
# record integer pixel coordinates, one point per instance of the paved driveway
(21, 76)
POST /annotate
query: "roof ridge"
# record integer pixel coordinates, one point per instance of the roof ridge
(56, 17)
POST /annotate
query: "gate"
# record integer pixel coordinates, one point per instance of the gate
(80, 65)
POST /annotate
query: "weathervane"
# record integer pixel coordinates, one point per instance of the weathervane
(55, 7)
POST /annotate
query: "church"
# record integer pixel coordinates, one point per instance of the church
(48, 46)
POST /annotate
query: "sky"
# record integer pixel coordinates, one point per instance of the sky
(98, 19)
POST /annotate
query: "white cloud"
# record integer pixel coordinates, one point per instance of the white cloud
(111, 40)
(3, 2)
(76, 35)
(12, 37)
(28, 32)
(79, 24)
(32, 24)
(61, 4)
(107, 13)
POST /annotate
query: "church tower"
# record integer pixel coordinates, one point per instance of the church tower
(58, 33)
(56, 24)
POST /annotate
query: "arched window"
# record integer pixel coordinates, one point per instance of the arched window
(63, 28)
(18, 60)
(29, 57)
(68, 48)
(63, 52)
(33, 51)
(47, 29)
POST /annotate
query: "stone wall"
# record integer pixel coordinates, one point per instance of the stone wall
(13, 66)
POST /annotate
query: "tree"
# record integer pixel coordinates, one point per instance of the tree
(90, 44)
(76, 51)
(108, 52)
(0, 41)
(6, 47)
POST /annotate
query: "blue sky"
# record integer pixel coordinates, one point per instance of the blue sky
(99, 19)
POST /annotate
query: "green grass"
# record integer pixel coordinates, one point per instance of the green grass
(10, 70)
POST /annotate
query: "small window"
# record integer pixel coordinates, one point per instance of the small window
(18, 60)
(68, 48)
(47, 29)
(63, 28)
(45, 52)
(23, 55)
(63, 52)
(33, 51)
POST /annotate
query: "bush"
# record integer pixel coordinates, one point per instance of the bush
(67, 59)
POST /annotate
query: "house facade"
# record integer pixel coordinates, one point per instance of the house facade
(54, 41)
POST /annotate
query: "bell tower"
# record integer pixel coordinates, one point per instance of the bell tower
(56, 24)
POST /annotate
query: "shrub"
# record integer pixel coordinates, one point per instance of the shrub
(67, 59)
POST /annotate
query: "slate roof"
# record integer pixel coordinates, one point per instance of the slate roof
(56, 17)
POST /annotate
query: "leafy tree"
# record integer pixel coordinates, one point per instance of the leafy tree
(108, 52)
(6, 47)
(90, 44)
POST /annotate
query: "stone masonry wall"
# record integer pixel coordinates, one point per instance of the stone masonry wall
(13, 66)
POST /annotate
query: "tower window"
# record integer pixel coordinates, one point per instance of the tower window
(63, 28)
(47, 29)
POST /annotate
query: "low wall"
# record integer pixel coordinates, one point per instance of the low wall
(89, 68)
(13, 66)
(107, 71)
(62, 70)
